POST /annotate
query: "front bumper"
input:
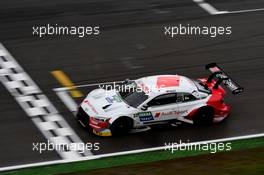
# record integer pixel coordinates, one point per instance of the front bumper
(100, 128)
(88, 122)
(103, 133)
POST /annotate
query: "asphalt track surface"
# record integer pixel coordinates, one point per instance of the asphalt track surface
(134, 30)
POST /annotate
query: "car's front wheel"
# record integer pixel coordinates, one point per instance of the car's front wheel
(121, 126)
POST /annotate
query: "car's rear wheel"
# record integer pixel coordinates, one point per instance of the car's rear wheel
(121, 126)
(204, 116)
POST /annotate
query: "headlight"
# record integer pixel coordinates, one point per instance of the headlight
(101, 122)
(102, 119)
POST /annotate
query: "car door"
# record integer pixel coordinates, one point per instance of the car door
(159, 109)
(186, 102)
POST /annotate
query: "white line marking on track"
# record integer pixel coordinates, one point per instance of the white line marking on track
(245, 11)
(67, 100)
(86, 85)
(37, 106)
(213, 11)
(129, 152)
(208, 7)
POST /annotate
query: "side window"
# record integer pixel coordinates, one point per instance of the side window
(185, 97)
(163, 100)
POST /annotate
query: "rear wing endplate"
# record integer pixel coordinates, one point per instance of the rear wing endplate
(221, 77)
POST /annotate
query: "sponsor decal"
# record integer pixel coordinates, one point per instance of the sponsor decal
(157, 115)
(144, 116)
(113, 99)
(92, 108)
(174, 112)
(228, 82)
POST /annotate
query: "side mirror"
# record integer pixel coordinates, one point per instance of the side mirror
(144, 107)
(127, 81)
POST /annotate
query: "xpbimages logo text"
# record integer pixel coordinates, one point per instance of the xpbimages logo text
(41, 147)
(211, 31)
(59, 30)
(213, 147)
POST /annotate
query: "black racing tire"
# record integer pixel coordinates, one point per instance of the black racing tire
(204, 116)
(121, 126)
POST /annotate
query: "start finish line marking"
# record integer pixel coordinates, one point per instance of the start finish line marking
(38, 107)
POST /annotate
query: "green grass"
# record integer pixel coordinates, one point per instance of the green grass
(128, 159)
(243, 162)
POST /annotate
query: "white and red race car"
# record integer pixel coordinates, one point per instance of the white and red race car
(138, 104)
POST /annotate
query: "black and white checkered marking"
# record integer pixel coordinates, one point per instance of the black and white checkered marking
(37, 106)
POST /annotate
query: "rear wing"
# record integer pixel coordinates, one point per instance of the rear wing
(221, 77)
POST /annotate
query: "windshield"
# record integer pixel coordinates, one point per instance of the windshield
(132, 95)
(201, 87)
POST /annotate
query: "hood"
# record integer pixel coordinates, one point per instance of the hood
(105, 104)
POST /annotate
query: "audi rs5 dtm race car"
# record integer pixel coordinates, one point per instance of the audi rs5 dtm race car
(159, 99)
